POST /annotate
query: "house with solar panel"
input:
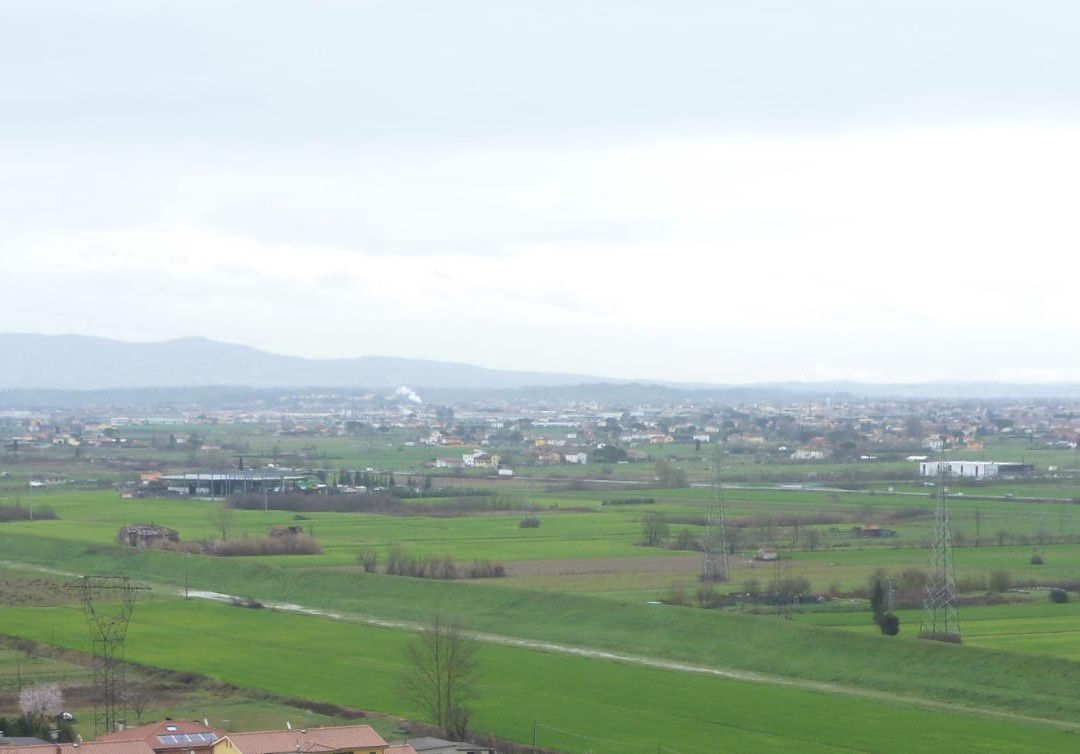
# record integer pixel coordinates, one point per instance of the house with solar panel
(169, 737)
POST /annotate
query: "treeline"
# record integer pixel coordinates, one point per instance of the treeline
(293, 544)
(17, 512)
(389, 505)
(401, 561)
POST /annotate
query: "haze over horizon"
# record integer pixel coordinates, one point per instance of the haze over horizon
(707, 192)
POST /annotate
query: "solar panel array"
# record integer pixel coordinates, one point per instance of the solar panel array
(187, 738)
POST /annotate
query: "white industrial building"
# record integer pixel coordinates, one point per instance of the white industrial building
(974, 469)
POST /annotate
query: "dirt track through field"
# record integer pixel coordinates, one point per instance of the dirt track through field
(641, 660)
(661, 664)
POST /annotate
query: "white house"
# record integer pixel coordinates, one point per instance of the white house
(576, 457)
(478, 459)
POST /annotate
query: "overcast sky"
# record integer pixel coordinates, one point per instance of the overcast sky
(704, 191)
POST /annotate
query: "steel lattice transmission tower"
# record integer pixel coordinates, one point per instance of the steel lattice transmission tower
(714, 566)
(107, 602)
(940, 619)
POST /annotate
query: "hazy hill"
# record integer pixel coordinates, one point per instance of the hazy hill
(32, 365)
(78, 362)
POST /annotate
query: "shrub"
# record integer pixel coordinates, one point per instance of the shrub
(368, 559)
(1000, 581)
(708, 598)
(296, 544)
(529, 522)
(654, 530)
(1059, 596)
(792, 586)
(1036, 559)
(971, 584)
(913, 579)
(485, 569)
(403, 562)
(17, 512)
(676, 596)
(686, 540)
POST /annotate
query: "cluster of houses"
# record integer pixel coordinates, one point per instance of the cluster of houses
(541, 434)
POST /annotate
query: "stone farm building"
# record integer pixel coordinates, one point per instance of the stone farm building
(146, 535)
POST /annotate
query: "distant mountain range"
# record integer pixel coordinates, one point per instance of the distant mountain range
(34, 364)
(79, 362)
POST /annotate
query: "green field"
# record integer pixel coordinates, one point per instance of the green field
(610, 706)
(583, 579)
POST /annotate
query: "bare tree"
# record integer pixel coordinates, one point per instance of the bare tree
(654, 529)
(41, 701)
(734, 536)
(138, 697)
(442, 674)
(221, 518)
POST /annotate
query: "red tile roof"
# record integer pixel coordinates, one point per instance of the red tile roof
(93, 747)
(169, 734)
(340, 738)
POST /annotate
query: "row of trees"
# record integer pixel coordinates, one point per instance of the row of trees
(656, 532)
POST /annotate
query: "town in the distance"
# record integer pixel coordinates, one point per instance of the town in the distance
(262, 571)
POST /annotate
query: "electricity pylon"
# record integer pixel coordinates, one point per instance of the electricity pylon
(940, 619)
(714, 566)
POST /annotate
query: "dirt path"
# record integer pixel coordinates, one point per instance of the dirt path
(641, 660)
(661, 664)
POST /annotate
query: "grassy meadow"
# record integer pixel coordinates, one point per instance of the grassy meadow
(584, 579)
(580, 704)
